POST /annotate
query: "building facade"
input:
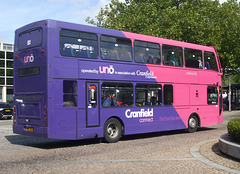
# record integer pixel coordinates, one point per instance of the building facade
(6, 72)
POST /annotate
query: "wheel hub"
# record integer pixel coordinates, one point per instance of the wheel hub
(192, 123)
(112, 130)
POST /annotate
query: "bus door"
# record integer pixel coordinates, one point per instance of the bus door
(92, 101)
(220, 100)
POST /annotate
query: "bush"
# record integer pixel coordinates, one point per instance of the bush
(234, 129)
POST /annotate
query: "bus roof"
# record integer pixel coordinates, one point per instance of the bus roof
(104, 31)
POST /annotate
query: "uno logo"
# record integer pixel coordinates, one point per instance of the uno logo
(28, 59)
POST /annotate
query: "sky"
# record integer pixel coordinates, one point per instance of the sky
(17, 13)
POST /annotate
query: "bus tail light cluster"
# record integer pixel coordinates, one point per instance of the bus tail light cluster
(14, 115)
(14, 112)
(45, 117)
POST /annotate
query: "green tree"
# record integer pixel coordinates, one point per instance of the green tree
(229, 49)
(204, 22)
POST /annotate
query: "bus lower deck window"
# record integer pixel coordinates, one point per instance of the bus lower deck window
(148, 95)
(168, 95)
(117, 94)
(69, 93)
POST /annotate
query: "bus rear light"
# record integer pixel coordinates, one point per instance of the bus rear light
(16, 56)
(45, 123)
(45, 111)
(45, 117)
(42, 51)
(14, 112)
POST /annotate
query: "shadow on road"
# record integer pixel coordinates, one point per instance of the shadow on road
(159, 134)
(45, 143)
(216, 150)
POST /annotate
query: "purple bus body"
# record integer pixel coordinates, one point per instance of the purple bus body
(39, 97)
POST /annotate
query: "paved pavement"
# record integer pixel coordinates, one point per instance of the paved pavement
(210, 152)
(164, 152)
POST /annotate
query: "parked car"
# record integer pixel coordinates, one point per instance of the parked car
(6, 111)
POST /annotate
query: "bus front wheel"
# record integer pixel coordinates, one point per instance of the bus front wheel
(112, 130)
(192, 124)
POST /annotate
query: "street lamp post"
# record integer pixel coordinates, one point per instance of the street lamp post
(229, 95)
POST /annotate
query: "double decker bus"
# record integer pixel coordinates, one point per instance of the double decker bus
(74, 81)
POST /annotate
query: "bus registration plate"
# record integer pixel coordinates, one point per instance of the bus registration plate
(29, 129)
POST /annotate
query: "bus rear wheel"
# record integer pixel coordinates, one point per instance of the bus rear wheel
(112, 130)
(192, 124)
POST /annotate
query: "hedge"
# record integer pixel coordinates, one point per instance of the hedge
(234, 129)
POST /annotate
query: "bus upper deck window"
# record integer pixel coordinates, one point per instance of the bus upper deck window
(172, 55)
(116, 48)
(147, 52)
(210, 61)
(78, 44)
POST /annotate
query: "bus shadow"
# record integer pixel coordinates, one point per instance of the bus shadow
(45, 143)
(159, 134)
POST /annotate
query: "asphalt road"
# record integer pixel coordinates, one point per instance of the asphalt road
(164, 152)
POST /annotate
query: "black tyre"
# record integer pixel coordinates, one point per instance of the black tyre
(112, 130)
(192, 124)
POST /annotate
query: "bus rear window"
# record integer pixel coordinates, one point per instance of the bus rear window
(29, 71)
(29, 109)
(30, 39)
